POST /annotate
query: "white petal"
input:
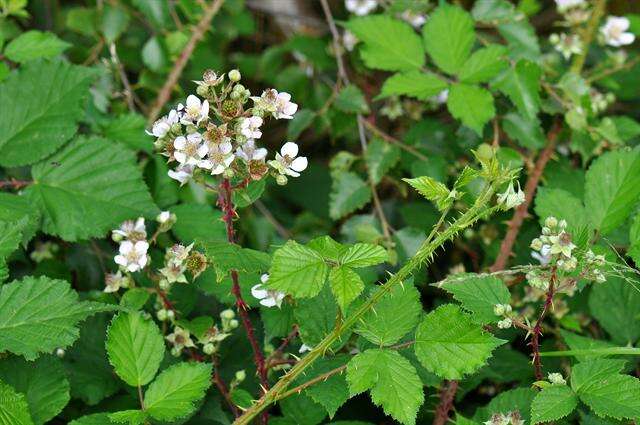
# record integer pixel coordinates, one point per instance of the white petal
(289, 149)
(225, 147)
(290, 108)
(264, 278)
(206, 164)
(258, 292)
(120, 260)
(142, 262)
(181, 157)
(141, 247)
(194, 137)
(284, 96)
(218, 169)
(268, 302)
(193, 101)
(133, 267)
(299, 164)
(228, 160)
(626, 38)
(260, 154)
(203, 150)
(126, 247)
(291, 173)
(180, 142)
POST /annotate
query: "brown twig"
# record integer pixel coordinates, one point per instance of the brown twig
(447, 396)
(197, 34)
(282, 231)
(228, 214)
(522, 210)
(537, 328)
(392, 140)
(128, 91)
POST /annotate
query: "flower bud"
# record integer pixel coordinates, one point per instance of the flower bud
(117, 237)
(235, 95)
(536, 244)
(498, 309)
(164, 285)
(227, 314)
(281, 179)
(60, 352)
(162, 315)
(505, 324)
(241, 375)
(485, 152)
(233, 324)
(234, 75)
(175, 351)
(202, 91)
(551, 222)
(171, 314)
(209, 348)
(556, 379)
(239, 88)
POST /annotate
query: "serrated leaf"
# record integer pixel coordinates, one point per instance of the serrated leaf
(521, 84)
(471, 104)
(396, 314)
(129, 417)
(577, 342)
(388, 44)
(128, 129)
(615, 304)
(616, 396)
(224, 257)
(10, 236)
(348, 194)
(198, 221)
(393, 382)
(88, 188)
(297, 270)
(327, 247)
(39, 314)
(346, 285)
(381, 157)
(316, 317)
(45, 99)
(584, 373)
(35, 44)
(522, 40)
(173, 394)
(448, 37)
(135, 348)
(14, 208)
(559, 203)
(13, 407)
(432, 190)
(612, 188)
(42, 382)
(484, 64)
(449, 344)
(553, 403)
(94, 419)
(363, 255)
(515, 400)
(478, 295)
(418, 84)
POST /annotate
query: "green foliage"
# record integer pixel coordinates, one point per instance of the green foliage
(478, 295)
(38, 315)
(616, 305)
(421, 85)
(521, 83)
(349, 192)
(298, 270)
(449, 344)
(448, 38)
(472, 105)
(13, 408)
(553, 403)
(33, 45)
(392, 380)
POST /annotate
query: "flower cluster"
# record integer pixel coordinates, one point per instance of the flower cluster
(505, 311)
(132, 253)
(216, 132)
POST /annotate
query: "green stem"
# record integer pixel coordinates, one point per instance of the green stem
(424, 254)
(588, 34)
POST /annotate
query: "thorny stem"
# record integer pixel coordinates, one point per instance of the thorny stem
(529, 191)
(447, 396)
(537, 328)
(228, 214)
(273, 358)
(424, 255)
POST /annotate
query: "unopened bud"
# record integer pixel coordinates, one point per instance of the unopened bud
(505, 323)
(162, 315)
(164, 285)
(281, 180)
(241, 375)
(234, 75)
(485, 152)
(536, 244)
(228, 314)
(551, 222)
(60, 352)
(175, 351)
(233, 324)
(498, 309)
(171, 314)
(209, 348)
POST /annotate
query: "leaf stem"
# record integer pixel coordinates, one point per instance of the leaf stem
(537, 328)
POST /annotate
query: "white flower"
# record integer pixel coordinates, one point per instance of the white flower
(133, 256)
(564, 5)
(566, 44)
(441, 98)
(219, 158)
(249, 152)
(279, 105)
(349, 40)
(162, 126)
(131, 230)
(415, 19)
(195, 111)
(182, 173)
(250, 127)
(544, 256)
(180, 338)
(189, 150)
(614, 31)
(360, 7)
(267, 297)
(304, 348)
(510, 198)
(287, 161)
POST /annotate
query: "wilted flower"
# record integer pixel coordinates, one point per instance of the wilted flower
(614, 33)
(180, 338)
(133, 256)
(162, 126)
(360, 7)
(304, 348)
(250, 127)
(218, 159)
(190, 150)
(182, 173)
(114, 281)
(287, 161)
(267, 297)
(543, 256)
(279, 105)
(131, 230)
(567, 45)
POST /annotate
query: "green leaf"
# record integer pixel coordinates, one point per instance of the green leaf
(432, 190)
(157, 11)
(248, 195)
(561, 204)
(616, 396)
(388, 44)
(348, 193)
(14, 208)
(363, 255)
(94, 419)
(129, 417)
(198, 221)
(473, 105)
(448, 37)
(332, 392)
(449, 344)
(327, 247)
(135, 348)
(553, 403)
(224, 257)
(90, 374)
(418, 84)
(33, 45)
(351, 99)
(526, 131)
(153, 55)
(615, 304)
(478, 295)
(128, 129)
(43, 382)
(521, 84)
(612, 188)
(583, 374)
(381, 157)
(173, 394)
(13, 407)
(46, 103)
(135, 298)
(10, 237)
(316, 317)
(396, 314)
(346, 285)
(515, 400)
(392, 380)
(297, 270)
(114, 22)
(300, 122)
(88, 188)
(39, 314)
(484, 64)
(522, 40)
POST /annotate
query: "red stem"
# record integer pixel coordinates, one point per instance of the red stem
(447, 395)
(537, 329)
(15, 184)
(228, 214)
